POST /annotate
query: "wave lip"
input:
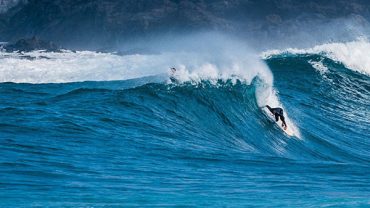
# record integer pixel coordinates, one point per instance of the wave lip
(353, 55)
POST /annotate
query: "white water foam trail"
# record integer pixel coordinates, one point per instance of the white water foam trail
(266, 95)
(353, 55)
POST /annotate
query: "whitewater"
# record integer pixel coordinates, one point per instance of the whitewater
(90, 129)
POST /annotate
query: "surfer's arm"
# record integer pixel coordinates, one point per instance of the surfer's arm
(270, 109)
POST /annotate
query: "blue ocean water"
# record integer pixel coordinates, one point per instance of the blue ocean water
(147, 142)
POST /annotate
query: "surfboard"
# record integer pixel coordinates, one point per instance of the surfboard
(269, 115)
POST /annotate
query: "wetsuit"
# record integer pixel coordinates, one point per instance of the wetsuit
(278, 112)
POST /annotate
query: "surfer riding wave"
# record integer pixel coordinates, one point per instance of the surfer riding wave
(278, 113)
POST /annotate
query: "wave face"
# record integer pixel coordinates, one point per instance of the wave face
(201, 141)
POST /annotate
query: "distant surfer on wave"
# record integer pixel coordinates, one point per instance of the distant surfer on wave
(278, 112)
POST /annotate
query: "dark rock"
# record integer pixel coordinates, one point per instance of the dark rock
(93, 24)
(26, 45)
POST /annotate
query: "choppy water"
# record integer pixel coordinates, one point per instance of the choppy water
(148, 142)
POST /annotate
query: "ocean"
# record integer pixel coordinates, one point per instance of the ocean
(88, 129)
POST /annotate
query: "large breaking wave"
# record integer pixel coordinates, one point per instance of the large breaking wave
(247, 79)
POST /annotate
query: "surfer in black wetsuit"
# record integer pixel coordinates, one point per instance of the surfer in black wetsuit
(278, 112)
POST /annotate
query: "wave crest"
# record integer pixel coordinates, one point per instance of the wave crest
(353, 55)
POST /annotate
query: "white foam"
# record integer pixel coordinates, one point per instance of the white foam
(319, 66)
(50, 67)
(240, 68)
(353, 55)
